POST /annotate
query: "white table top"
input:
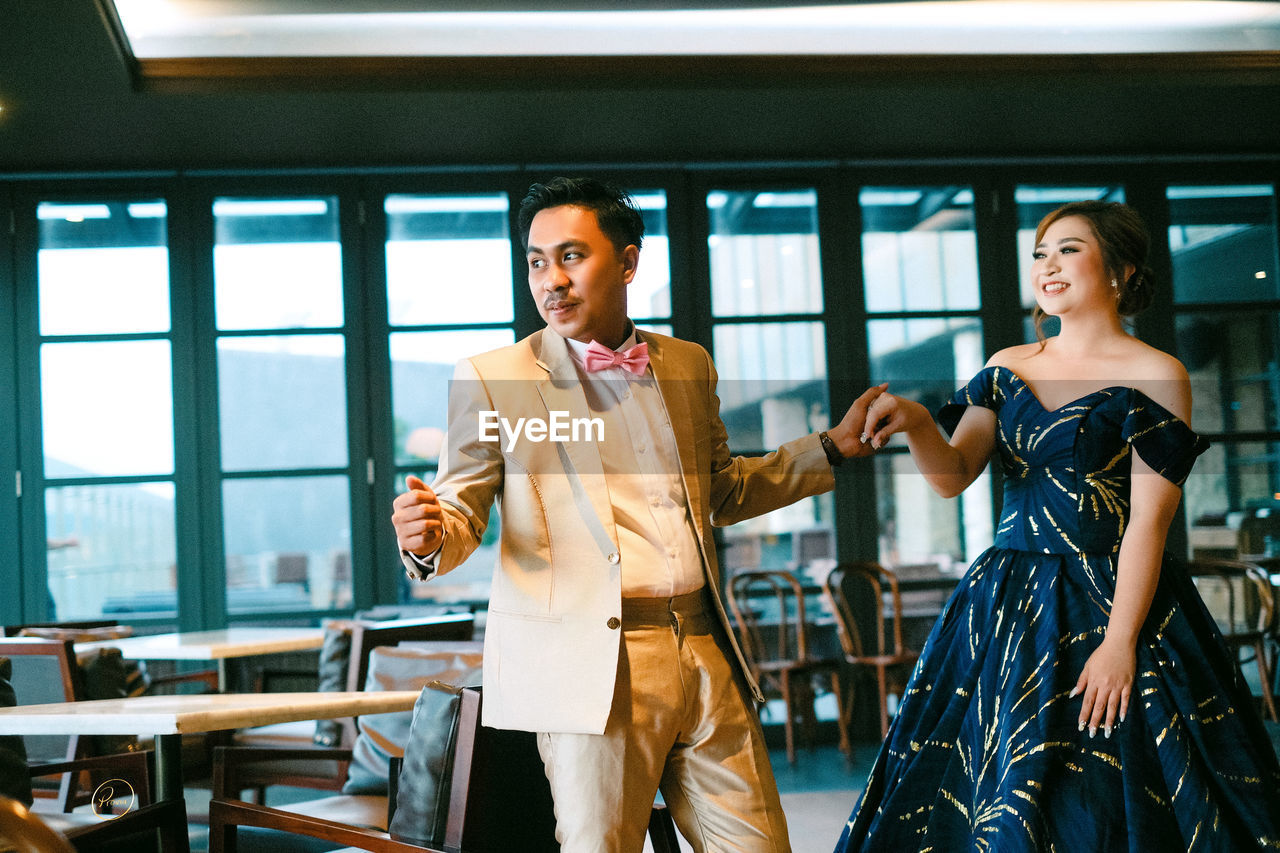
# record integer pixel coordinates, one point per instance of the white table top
(196, 712)
(213, 645)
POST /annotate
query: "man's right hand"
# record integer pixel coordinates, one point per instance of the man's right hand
(417, 518)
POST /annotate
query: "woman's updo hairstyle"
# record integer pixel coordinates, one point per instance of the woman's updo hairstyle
(1123, 239)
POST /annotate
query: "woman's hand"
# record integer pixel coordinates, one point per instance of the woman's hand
(1105, 683)
(889, 414)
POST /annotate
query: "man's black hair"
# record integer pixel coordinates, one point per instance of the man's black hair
(615, 210)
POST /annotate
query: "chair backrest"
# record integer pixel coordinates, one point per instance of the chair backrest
(768, 609)
(44, 671)
(16, 630)
(367, 636)
(855, 591)
(1238, 595)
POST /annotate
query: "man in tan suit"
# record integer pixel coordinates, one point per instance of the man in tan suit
(604, 449)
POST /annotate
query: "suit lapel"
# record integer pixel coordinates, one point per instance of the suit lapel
(562, 391)
(673, 386)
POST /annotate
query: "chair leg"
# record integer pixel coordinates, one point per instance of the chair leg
(786, 717)
(884, 701)
(1264, 677)
(842, 724)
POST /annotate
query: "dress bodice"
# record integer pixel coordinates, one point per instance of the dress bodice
(1067, 470)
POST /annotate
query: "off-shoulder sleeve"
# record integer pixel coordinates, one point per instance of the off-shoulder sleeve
(1161, 438)
(982, 390)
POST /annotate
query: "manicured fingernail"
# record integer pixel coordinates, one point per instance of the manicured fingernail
(863, 438)
(1093, 730)
(1122, 716)
(1080, 728)
(1072, 695)
(877, 443)
(1106, 730)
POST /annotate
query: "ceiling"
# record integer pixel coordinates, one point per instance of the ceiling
(76, 98)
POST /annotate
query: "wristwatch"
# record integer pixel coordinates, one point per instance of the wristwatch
(834, 456)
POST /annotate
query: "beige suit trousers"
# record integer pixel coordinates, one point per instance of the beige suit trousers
(679, 722)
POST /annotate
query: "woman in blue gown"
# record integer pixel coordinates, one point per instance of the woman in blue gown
(1074, 694)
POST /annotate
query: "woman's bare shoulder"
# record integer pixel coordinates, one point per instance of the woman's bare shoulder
(1012, 357)
(1160, 376)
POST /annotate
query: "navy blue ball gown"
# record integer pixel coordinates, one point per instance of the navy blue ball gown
(984, 753)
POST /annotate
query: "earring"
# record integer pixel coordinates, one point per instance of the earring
(1114, 284)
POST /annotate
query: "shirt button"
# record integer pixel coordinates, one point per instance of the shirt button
(613, 623)
(614, 558)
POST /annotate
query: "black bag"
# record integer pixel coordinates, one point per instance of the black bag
(422, 795)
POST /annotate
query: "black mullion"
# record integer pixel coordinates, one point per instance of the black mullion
(34, 568)
(10, 524)
(189, 523)
(996, 229)
(383, 583)
(353, 215)
(210, 611)
(848, 364)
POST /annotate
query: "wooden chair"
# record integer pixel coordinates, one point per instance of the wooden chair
(773, 628)
(499, 801)
(365, 637)
(44, 671)
(108, 629)
(160, 826)
(133, 817)
(870, 629)
(1241, 600)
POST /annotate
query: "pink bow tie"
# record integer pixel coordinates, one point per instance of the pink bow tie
(599, 356)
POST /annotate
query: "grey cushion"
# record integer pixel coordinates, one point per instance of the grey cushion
(403, 667)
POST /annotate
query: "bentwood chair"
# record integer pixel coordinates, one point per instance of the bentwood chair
(774, 630)
(1240, 598)
(868, 608)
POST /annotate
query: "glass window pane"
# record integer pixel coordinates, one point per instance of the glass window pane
(282, 402)
(1232, 358)
(288, 543)
(1223, 243)
(925, 359)
(764, 252)
(649, 294)
(421, 367)
(1033, 203)
(919, 249)
(918, 526)
(1232, 500)
(112, 550)
(799, 537)
(448, 259)
(277, 263)
(103, 268)
(773, 382)
(106, 408)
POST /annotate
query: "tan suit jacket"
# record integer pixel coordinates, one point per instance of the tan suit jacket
(552, 632)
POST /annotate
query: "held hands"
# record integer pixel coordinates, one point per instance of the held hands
(1105, 682)
(888, 414)
(845, 434)
(417, 518)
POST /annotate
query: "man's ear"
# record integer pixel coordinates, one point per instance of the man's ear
(630, 261)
